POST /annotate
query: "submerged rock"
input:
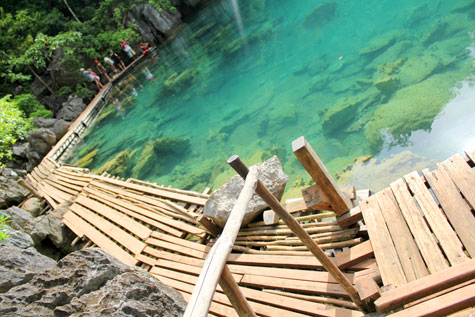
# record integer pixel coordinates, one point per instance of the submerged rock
(321, 15)
(154, 155)
(409, 109)
(178, 81)
(380, 43)
(118, 165)
(87, 159)
(91, 282)
(221, 202)
(340, 114)
(387, 84)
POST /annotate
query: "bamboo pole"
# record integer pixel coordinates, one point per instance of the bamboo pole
(215, 261)
(236, 163)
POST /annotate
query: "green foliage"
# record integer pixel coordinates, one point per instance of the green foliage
(13, 126)
(82, 92)
(3, 228)
(31, 107)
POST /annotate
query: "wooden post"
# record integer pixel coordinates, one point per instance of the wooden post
(300, 232)
(315, 168)
(31, 189)
(215, 261)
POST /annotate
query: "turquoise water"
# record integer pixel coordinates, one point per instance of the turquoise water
(355, 78)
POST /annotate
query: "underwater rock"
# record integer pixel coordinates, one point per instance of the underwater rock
(118, 165)
(155, 154)
(418, 68)
(321, 15)
(380, 43)
(392, 53)
(232, 47)
(342, 112)
(390, 68)
(447, 27)
(219, 205)
(418, 15)
(387, 84)
(178, 81)
(87, 159)
(409, 109)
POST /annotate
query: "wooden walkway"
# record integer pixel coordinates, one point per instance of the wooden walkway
(413, 252)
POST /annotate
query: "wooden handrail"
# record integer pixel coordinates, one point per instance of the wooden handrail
(235, 162)
(205, 288)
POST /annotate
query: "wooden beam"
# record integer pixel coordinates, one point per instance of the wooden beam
(425, 286)
(300, 232)
(350, 218)
(215, 261)
(354, 255)
(443, 305)
(317, 170)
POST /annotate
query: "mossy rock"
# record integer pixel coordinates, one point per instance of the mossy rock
(418, 68)
(391, 68)
(380, 43)
(341, 113)
(154, 155)
(321, 15)
(87, 159)
(409, 109)
(178, 81)
(387, 84)
(118, 165)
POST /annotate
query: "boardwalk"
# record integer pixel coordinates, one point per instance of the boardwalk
(409, 246)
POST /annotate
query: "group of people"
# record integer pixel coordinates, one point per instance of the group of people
(115, 62)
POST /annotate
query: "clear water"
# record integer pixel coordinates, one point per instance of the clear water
(254, 75)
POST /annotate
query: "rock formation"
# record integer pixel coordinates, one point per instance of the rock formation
(221, 202)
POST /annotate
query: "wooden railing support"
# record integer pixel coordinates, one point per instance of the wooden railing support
(300, 232)
(214, 267)
(339, 202)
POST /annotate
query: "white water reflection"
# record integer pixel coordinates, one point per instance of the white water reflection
(452, 131)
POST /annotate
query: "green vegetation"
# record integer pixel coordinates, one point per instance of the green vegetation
(3, 228)
(13, 126)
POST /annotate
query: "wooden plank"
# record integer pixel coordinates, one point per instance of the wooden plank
(316, 198)
(354, 255)
(157, 192)
(350, 218)
(317, 170)
(182, 242)
(425, 286)
(446, 304)
(384, 250)
(271, 231)
(124, 238)
(60, 187)
(294, 274)
(295, 205)
(368, 289)
(471, 153)
(102, 241)
(145, 259)
(423, 237)
(409, 255)
(319, 299)
(134, 211)
(462, 175)
(440, 226)
(55, 193)
(215, 308)
(161, 254)
(440, 293)
(176, 248)
(294, 285)
(115, 216)
(160, 217)
(71, 225)
(455, 207)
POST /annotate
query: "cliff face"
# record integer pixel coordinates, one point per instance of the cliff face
(154, 25)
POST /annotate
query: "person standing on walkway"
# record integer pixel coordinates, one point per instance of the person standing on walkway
(89, 74)
(126, 48)
(101, 69)
(111, 63)
(116, 59)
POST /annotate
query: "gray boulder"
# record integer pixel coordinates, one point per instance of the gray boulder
(91, 282)
(44, 123)
(221, 202)
(41, 140)
(20, 149)
(17, 238)
(60, 128)
(71, 109)
(33, 205)
(51, 227)
(54, 102)
(18, 217)
(18, 266)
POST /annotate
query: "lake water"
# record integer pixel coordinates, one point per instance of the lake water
(387, 79)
